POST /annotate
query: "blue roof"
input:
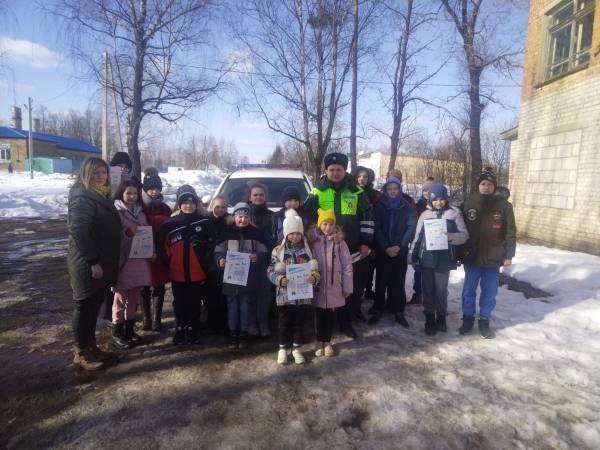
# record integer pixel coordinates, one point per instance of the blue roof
(63, 143)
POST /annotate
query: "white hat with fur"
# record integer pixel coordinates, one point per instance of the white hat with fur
(293, 224)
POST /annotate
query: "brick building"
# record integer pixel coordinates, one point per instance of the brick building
(555, 151)
(14, 148)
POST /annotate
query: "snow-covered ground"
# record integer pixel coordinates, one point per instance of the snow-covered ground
(537, 385)
(46, 195)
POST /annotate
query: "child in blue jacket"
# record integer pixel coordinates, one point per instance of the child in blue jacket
(394, 230)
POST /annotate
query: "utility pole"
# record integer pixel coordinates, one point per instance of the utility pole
(105, 107)
(30, 146)
(116, 110)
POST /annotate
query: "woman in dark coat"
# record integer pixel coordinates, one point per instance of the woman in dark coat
(94, 246)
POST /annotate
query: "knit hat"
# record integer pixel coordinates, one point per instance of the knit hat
(324, 215)
(292, 223)
(438, 191)
(121, 158)
(152, 181)
(241, 209)
(290, 193)
(391, 180)
(186, 193)
(336, 158)
(487, 175)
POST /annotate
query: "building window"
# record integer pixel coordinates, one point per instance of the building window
(4, 154)
(570, 26)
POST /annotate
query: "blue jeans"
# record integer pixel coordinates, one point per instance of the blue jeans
(237, 312)
(488, 279)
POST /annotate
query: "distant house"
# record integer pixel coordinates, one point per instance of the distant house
(555, 151)
(14, 149)
(414, 169)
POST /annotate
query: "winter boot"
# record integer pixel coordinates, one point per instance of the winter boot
(485, 330)
(192, 335)
(402, 320)
(146, 310)
(430, 324)
(179, 337)
(85, 359)
(100, 354)
(243, 340)
(415, 300)
(234, 340)
(440, 322)
(130, 333)
(157, 307)
(118, 336)
(376, 317)
(467, 325)
(360, 316)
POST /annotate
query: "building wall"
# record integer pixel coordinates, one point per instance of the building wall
(18, 149)
(555, 163)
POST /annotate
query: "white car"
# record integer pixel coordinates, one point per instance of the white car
(276, 178)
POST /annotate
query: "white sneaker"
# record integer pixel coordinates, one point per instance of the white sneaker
(298, 357)
(320, 352)
(329, 351)
(282, 356)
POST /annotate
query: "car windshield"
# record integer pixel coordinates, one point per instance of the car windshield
(235, 189)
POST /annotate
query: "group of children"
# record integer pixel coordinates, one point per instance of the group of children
(192, 247)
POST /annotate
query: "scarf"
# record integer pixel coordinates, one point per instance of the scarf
(103, 191)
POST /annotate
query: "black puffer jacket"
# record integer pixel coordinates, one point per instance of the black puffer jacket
(94, 238)
(262, 217)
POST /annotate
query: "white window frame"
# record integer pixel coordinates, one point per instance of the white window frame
(575, 54)
(5, 154)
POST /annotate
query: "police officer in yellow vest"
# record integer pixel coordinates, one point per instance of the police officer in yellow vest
(338, 191)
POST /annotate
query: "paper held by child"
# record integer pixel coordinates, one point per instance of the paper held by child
(436, 237)
(298, 288)
(237, 267)
(142, 245)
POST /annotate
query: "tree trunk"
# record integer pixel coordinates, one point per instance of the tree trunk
(474, 127)
(353, 157)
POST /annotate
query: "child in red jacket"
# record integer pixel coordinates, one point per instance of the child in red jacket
(186, 247)
(157, 212)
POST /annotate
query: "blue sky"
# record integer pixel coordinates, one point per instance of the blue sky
(37, 66)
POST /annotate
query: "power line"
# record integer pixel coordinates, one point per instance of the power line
(269, 75)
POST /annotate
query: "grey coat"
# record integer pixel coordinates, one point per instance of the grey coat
(94, 238)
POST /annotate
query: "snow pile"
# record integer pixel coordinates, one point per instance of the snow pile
(46, 196)
(557, 271)
(205, 182)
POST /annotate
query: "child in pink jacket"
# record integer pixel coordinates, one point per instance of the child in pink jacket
(134, 273)
(335, 267)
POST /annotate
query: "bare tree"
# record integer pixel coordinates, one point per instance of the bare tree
(300, 52)
(484, 47)
(151, 42)
(277, 156)
(402, 70)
